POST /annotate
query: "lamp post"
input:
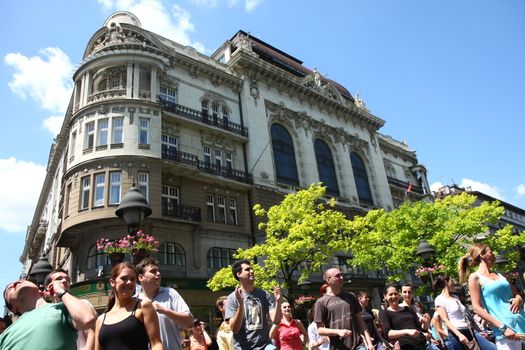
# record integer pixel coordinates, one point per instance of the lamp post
(133, 209)
(40, 270)
(426, 252)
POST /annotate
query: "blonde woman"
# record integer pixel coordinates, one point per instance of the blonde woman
(493, 298)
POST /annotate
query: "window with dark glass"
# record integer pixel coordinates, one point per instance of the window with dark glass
(326, 168)
(96, 258)
(171, 253)
(220, 257)
(284, 155)
(361, 179)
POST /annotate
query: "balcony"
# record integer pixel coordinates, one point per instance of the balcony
(198, 116)
(106, 95)
(193, 161)
(180, 211)
(404, 185)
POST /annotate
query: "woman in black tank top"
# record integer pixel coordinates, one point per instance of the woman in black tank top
(128, 323)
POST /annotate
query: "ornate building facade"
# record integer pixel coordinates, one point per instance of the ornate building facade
(204, 138)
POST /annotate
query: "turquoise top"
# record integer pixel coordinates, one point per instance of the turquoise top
(495, 295)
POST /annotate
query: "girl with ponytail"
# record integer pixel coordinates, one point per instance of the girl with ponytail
(127, 323)
(493, 298)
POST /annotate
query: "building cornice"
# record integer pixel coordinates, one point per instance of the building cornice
(248, 65)
(396, 148)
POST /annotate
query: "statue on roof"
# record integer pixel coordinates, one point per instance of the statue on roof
(360, 103)
(244, 43)
(317, 77)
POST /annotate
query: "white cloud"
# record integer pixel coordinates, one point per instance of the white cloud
(521, 189)
(53, 124)
(45, 78)
(174, 24)
(250, 5)
(435, 186)
(22, 184)
(205, 3)
(482, 187)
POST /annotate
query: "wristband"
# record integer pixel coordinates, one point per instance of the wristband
(61, 294)
(503, 328)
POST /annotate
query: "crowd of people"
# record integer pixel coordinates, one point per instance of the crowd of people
(141, 314)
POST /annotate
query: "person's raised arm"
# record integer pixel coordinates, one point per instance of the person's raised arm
(82, 314)
(236, 321)
(151, 322)
(276, 314)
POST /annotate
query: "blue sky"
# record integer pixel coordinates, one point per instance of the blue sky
(447, 76)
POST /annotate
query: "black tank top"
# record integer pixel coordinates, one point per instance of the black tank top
(128, 334)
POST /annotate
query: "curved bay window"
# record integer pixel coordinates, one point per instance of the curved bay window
(220, 257)
(96, 258)
(284, 156)
(361, 179)
(171, 254)
(326, 167)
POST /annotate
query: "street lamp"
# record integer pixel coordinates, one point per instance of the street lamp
(426, 252)
(304, 285)
(40, 270)
(133, 209)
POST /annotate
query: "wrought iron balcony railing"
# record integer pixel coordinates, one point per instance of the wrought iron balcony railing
(404, 185)
(180, 211)
(194, 162)
(201, 117)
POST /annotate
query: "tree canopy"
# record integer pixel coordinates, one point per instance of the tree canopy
(302, 233)
(450, 225)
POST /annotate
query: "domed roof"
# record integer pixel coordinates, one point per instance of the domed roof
(122, 17)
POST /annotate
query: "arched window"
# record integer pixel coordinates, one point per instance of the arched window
(361, 179)
(96, 258)
(325, 166)
(171, 254)
(284, 156)
(220, 257)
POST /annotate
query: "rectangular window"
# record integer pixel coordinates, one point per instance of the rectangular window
(89, 141)
(73, 144)
(68, 201)
(168, 94)
(229, 161)
(210, 207)
(117, 128)
(84, 200)
(143, 184)
(218, 159)
(207, 156)
(170, 200)
(143, 131)
(100, 186)
(221, 209)
(102, 134)
(169, 146)
(114, 187)
(225, 116)
(215, 112)
(232, 211)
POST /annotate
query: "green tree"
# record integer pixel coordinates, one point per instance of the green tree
(302, 233)
(390, 239)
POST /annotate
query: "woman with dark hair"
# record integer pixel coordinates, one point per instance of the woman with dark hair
(127, 323)
(452, 312)
(290, 333)
(199, 338)
(493, 298)
(401, 324)
(368, 317)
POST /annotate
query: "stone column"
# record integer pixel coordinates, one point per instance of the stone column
(129, 80)
(136, 80)
(82, 91)
(153, 86)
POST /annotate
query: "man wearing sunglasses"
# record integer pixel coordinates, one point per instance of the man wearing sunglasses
(338, 316)
(44, 325)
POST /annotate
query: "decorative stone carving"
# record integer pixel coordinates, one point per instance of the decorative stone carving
(115, 35)
(254, 90)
